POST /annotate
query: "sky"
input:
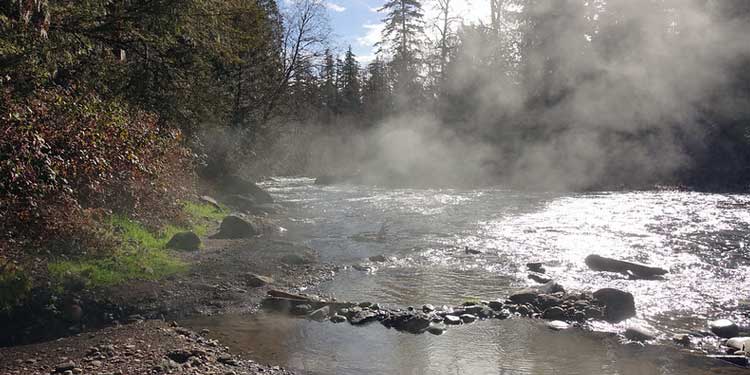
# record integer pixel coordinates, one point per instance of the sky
(358, 23)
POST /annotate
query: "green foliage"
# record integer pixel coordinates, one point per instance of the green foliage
(14, 285)
(142, 252)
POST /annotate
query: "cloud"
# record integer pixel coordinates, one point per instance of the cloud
(372, 34)
(335, 7)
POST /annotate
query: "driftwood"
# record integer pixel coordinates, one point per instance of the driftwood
(640, 271)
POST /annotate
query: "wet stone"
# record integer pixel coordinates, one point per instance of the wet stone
(739, 343)
(724, 328)
(320, 314)
(536, 267)
(338, 318)
(363, 317)
(437, 329)
(554, 313)
(302, 309)
(452, 320)
(428, 308)
(557, 325)
(638, 333)
(496, 305)
(468, 318)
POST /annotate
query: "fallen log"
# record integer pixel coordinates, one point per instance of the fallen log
(640, 271)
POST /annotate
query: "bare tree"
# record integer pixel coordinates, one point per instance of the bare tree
(306, 31)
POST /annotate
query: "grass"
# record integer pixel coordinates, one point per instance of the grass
(142, 253)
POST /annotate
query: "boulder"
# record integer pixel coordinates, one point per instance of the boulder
(638, 333)
(187, 241)
(724, 328)
(256, 281)
(640, 271)
(618, 305)
(234, 184)
(540, 278)
(336, 318)
(428, 308)
(235, 227)
(524, 296)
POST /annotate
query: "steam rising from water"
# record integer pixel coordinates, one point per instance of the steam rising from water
(611, 92)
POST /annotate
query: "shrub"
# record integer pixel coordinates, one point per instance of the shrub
(69, 159)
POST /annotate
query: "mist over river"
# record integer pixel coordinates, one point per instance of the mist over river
(701, 238)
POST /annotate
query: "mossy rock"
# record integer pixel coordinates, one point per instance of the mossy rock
(187, 241)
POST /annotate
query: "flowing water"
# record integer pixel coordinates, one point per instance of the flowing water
(701, 238)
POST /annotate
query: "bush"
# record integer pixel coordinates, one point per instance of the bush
(69, 159)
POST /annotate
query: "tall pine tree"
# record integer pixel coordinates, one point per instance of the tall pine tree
(402, 33)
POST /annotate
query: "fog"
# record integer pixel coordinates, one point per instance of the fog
(569, 95)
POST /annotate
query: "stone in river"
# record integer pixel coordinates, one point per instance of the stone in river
(363, 317)
(724, 328)
(739, 343)
(437, 329)
(468, 318)
(638, 333)
(428, 308)
(301, 309)
(557, 325)
(540, 278)
(524, 296)
(535, 267)
(338, 318)
(378, 258)
(452, 319)
(619, 305)
(496, 305)
(554, 313)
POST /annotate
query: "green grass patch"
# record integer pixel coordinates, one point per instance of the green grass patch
(141, 255)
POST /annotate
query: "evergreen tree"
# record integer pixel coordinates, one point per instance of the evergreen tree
(376, 93)
(350, 87)
(328, 86)
(401, 36)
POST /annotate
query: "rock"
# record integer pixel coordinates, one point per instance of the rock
(362, 267)
(600, 263)
(320, 314)
(235, 227)
(234, 184)
(179, 355)
(540, 278)
(452, 320)
(619, 305)
(414, 323)
(638, 333)
(437, 329)
(241, 203)
(524, 296)
(295, 259)
(739, 343)
(363, 317)
(473, 309)
(187, 241)
(374, 306)
(535, 267)
(428, 308)
(467, 250)
(378, 258)
(545, 301)
(557, 325)
(65, 366)
(468, 318)
(739, 360)
(256, 281)
(336, 318)
(496, 305)
(724, 328)
(554, 313)
(365, 304)
(503, 314)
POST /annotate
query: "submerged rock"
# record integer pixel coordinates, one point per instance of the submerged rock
(618, 305)
(320, 314)
(378, 258)
(452, 320)
(724, 328)
(187, 241)
(638, 333)
(336, 318)
(437, 329)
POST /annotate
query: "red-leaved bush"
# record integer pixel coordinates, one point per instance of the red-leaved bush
(68, 158)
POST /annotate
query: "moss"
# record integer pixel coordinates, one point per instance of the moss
(142, 253)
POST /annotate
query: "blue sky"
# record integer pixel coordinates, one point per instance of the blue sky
(357, 23)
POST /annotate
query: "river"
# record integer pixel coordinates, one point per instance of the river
(701, 238)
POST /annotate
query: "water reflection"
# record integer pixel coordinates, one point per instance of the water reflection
(490, 347)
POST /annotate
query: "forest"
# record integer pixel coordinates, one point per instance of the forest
(123, 107)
